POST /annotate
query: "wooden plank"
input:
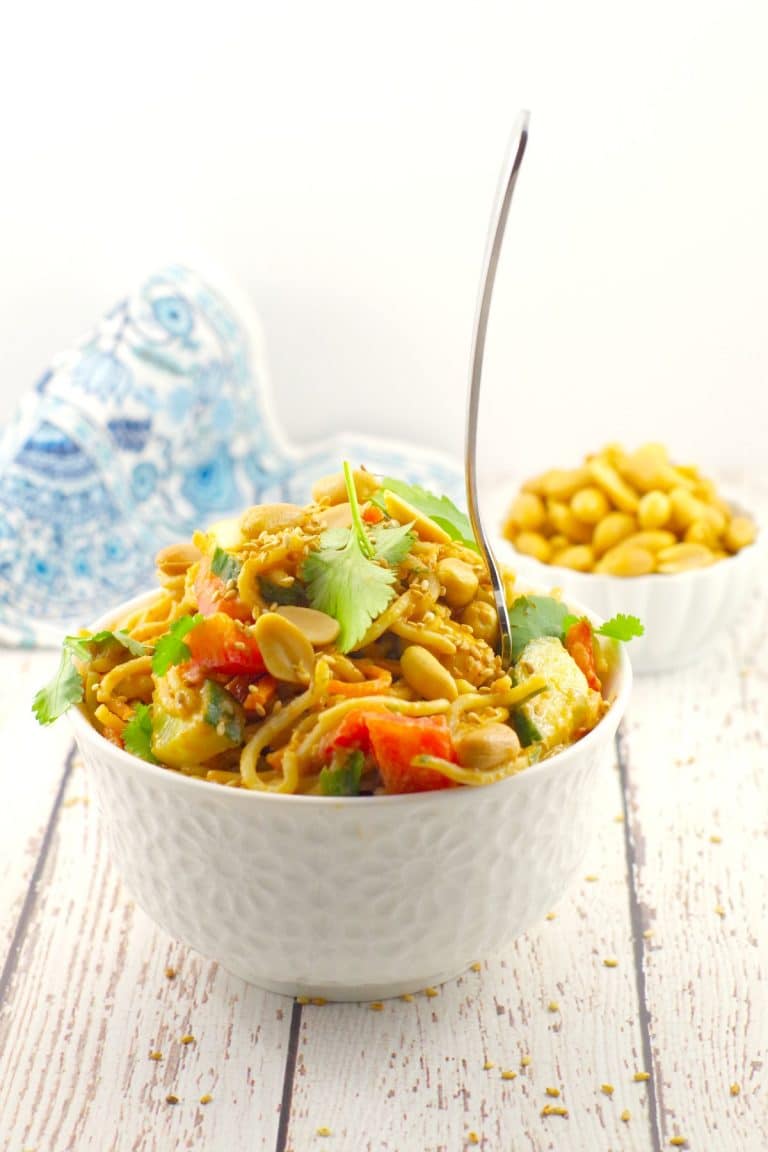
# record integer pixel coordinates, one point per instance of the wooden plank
(90, 1002)
(413, 1075)
(31, 769)
(698, 765)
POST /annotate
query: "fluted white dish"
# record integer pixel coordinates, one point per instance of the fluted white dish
(681, 613)
(356, 898)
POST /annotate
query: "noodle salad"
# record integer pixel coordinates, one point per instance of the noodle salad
(343, 648)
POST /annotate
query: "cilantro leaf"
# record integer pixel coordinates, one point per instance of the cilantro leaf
(534, 616)
(619, 627)
(439, 508)
(342, 777)
(225, 565)
(171, 649)
(137, 734)
(345, 584)
(61, 692)
(66, 686)
(392, 543)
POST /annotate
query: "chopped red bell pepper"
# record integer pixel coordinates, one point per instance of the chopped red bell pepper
(213, 594)
(220, 644)
(580, 647)
(394, 741)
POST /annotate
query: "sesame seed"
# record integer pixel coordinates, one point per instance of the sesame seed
(679, 1142)
(488, 1065)
(720, 910)
(376, 1006)
(618, 818)
(553, 1006)
(553, 1110)
(524, 1061)
(407, 996)
(171, 1099)
(155, 1055)
(591, 879)
(508, 1074)
(476, 967)
(170, 973)
(302, 999)
(206, 1098)
(648, 934)
(626, 1116)
(554, 1092)
(735, 1089)
(431, 992)
(473, 1138)
(606, 1089)
(715, 839)
(323, 1131)
(318, 1001)
(610, 962)
(639, 1077)
(188, 1038)
(550, 915)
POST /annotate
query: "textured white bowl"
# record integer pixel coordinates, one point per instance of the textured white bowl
(681, 613)
(350, 899)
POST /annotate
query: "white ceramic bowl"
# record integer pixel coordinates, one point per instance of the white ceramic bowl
(681, 613)
(350, 899)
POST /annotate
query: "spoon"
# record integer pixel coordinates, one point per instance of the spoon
(509, 173)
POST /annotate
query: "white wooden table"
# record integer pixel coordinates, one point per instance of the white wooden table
(655, 962)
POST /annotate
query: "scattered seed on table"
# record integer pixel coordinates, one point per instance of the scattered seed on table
(302, 999)
(626, 1116)
(431, 992)
(476, 967)
(488, 1065)
(639, 1077)
(554, 1092)
(508, 1074)
(170, 973)
(318, 1001)
(550, 915)
(473, 1138)
(715, 839)
(408, 997)
(610, 962)
(323, 1131)
(187, 1038)
(619, 818)
(606, 1089)
(720, 910)
(553, 1110)
(206, 1098)
(679, 1142)
(553, 1006)
(591, 879)
(171, 1099)
(648, 934)
(735, 1089)
(155, 1055)
(525, 1061)
(376, 1006)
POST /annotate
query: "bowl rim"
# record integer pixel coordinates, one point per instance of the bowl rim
(618, 704)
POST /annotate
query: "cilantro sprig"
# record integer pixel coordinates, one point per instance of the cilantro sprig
(438, 508)
(535, 616)
(137, 734)
(350, 577)
(170, 648)
(67, 687)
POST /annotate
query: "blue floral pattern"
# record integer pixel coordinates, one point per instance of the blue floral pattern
(156, 424)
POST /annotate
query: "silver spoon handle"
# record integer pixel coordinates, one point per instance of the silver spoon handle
(509, 175)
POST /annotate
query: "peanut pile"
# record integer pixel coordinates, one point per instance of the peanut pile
(626, 514)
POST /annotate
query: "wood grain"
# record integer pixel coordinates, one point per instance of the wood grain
(90, 1001)
(412, 1076)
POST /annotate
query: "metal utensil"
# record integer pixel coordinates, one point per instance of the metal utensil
(509, 174)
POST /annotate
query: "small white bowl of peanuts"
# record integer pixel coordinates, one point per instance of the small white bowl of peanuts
(635, 532)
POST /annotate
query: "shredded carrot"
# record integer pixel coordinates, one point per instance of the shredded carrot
(379, 682)
(261, 694)
(372, 514)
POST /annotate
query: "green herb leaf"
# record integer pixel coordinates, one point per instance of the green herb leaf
(342, 777)
(619, 627)
(392, 543)
(348, 586)
(535, 616)
(439, 508)
(66, 687)
(171, 649)
(225, 565)
(137, 734)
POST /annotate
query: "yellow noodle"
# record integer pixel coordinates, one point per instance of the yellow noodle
(138, 666)
(472, 777)
(108, 719)
(276, 726)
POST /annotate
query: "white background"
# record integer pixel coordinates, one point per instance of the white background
(339, 163)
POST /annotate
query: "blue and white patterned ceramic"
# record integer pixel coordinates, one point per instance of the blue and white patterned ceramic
(158, 423)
